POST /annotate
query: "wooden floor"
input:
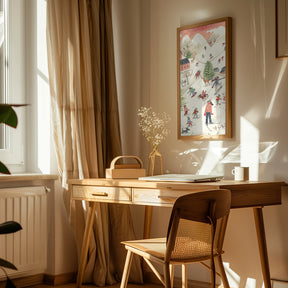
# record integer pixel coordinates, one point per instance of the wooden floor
(73, 285)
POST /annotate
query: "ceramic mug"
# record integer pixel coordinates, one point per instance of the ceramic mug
(240, 173)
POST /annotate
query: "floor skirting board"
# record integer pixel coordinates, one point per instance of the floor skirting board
(62, 279)
(52, 280)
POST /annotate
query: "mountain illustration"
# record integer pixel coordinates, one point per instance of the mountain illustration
(202, 81)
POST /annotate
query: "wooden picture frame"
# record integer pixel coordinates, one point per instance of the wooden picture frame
(204, 80)
(281, 8)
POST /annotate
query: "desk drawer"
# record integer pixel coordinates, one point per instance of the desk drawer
(157, 197)
(102, 194)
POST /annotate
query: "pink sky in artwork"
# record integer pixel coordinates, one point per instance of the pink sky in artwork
(202, 30)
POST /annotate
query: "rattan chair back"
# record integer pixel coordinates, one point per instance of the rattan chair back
(196, 224)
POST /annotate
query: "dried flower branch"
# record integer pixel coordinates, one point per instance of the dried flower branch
(153, 125)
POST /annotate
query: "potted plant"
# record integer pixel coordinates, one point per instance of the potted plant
(7, 228)
(8, 117)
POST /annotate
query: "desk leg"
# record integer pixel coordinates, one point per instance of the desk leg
(260, 229)
(85, 244)
(147, 222)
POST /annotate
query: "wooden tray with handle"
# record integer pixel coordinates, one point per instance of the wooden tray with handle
(125, 171)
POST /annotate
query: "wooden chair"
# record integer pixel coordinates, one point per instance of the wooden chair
(195, 234)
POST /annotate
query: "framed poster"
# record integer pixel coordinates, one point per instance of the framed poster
(281, 28)
(204, 80)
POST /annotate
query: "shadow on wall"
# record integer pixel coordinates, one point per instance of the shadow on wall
(206, 156)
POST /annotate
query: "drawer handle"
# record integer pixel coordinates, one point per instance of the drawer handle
(167, 199)
(105, 194)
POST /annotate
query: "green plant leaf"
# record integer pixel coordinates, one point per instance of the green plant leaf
(8, 116)
(9, 283)
(9, 227)
(4, 169)
(7, 264)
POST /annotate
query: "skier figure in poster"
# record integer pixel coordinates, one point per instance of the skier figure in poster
(197, 74)
(208, 112)
(195, 113)
(189, 122)
(186, 110)
(191, 91)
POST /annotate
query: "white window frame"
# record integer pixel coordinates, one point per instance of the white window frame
(13, 153)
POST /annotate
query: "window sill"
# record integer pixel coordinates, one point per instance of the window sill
(26, 177)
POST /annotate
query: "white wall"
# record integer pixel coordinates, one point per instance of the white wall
(145, 45)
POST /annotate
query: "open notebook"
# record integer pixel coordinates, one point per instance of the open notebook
(183, 178)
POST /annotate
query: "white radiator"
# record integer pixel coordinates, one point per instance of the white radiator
(26, 249)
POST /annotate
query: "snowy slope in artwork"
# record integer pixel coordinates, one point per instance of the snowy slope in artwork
(203, 81)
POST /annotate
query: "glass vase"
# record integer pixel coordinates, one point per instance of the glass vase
(155, 163)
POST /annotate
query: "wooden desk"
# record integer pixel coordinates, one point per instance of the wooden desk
(243, 194)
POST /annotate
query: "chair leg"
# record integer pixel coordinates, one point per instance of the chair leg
(166, 276)
(171, 274)
(212, 278)
(184, 276)
(222, 272)
(126, 270)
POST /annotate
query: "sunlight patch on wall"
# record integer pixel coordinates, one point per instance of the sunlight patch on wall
(207, 157)
(250, 152)
(233, 277)
(249, 155)
(212, 158)
(263, 37)
(186, 152)
(43, 91)
(266, 152)
(279, 79)
(250, 283)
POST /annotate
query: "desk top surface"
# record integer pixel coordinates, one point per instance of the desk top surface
(135, 183)
(243, 193)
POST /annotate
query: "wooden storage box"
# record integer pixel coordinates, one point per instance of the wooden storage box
(125, 171)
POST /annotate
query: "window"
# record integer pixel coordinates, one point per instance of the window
(12, 80)
(2, 66)
(25, 72)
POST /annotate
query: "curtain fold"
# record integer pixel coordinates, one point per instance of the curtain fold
(86, 125)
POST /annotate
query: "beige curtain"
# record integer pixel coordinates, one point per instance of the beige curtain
(86, 125)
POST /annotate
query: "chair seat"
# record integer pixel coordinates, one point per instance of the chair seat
(153, 246)
(156, 247)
